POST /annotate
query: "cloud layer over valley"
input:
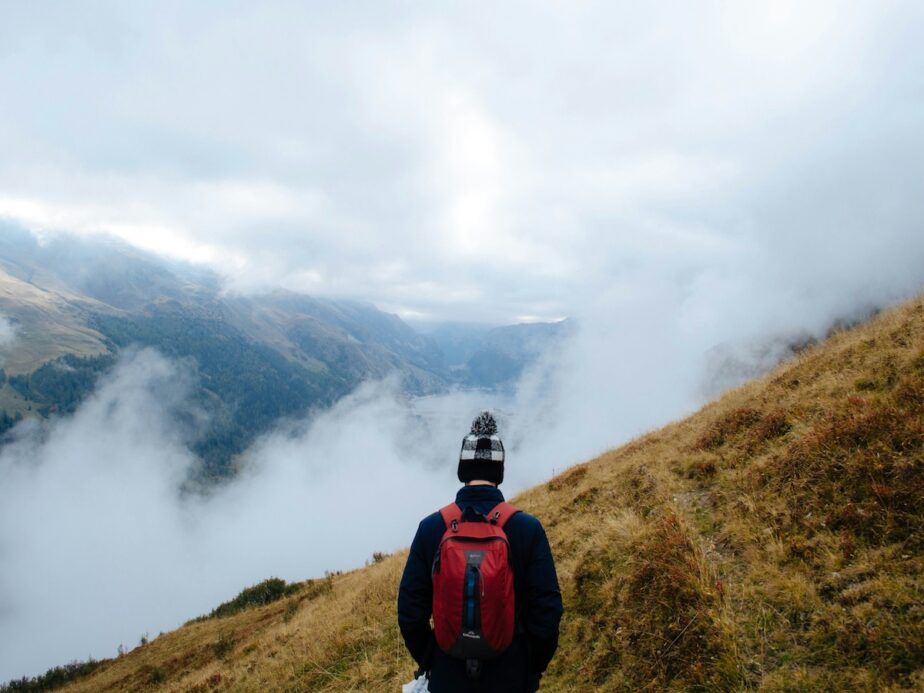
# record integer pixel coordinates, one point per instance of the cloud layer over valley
(99, 547)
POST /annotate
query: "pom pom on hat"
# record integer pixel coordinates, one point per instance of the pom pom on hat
(484, 425)
(482, 455)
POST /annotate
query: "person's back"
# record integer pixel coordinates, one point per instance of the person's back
(538, 606)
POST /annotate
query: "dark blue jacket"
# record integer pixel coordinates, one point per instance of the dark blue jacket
(537, 595)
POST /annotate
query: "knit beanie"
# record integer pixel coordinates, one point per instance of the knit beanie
(482, 455)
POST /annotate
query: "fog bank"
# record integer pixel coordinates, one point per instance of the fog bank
(99, 547)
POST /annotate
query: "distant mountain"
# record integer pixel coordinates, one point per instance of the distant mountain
(495, 357)
(75, 303)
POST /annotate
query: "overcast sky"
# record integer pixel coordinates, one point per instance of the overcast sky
(475, 161)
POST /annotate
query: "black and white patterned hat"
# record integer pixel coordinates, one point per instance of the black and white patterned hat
(482, 455)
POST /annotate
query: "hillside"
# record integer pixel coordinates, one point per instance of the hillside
(49, 324)
(771, 541)
(257, 359)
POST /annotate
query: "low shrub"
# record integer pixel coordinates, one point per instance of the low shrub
(726, 427)
(291, 610)
(701, 467)
(55, 677)
(567, 479)
(263, 593)
(154, 674)
(770, 426)
(223, 646)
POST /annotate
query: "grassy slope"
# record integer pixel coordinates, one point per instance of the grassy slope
(49, 325)
(773, 540)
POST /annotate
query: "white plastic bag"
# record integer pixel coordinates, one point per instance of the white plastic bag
(416, 686)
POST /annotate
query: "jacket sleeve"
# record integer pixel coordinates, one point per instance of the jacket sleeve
(415, 602)
(542, 607)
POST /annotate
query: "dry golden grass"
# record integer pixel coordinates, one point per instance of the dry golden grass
(772, 541)
(49, 325)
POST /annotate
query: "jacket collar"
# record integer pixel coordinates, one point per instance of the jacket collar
(475, 494)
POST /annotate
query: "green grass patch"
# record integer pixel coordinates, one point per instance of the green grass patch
(266, 592)
(55, 677)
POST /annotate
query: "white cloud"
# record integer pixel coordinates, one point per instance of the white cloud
(520, 154)
(7, 332)
(7, 336)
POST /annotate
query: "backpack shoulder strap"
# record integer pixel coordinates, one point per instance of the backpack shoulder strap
(502, 512)
(451, 513)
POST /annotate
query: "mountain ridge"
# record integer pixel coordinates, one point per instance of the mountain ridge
(259, 358)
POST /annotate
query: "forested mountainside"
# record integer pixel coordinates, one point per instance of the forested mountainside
(772, 541)
(73, 305)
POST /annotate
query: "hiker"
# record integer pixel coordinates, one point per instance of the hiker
(467, 648)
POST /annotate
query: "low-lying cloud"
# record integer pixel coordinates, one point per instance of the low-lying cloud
(99, 547)
(7, 333)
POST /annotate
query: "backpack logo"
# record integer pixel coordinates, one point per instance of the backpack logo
(473, 594)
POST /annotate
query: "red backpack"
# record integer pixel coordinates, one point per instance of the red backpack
(473, 600)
